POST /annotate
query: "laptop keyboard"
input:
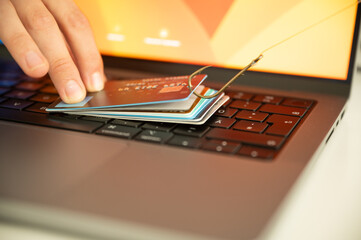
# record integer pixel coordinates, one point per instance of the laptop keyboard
(249, 124)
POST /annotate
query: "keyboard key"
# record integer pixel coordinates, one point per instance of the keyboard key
(184, 141)
(227, 103)
(49, 89)
(191, 130)
(30, 86)
(95, 119)
(128, 123)
(281, 125)
(246, 137)
(166, 127)
(250, 126)
(154, 136)
(221, 146)
(267, 99)
(284, 110)
(8, 75)
(16, 104)
(64, 116)
(250, 115)
(4, 90)
(226, 112)
(46, 80)
(240, 104)
(30, 79)
(46, 120)
(256, 152)
(221, 122)
(297, 102)
(118, 131)
(240, 96)
(45, 98)
(38, 107)
(19, 94)
(8, 82)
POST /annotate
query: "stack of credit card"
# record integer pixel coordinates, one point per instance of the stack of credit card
(165, 99)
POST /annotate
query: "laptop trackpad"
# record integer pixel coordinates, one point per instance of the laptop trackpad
(58, 160)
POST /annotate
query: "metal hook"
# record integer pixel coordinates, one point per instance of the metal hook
(254, 61)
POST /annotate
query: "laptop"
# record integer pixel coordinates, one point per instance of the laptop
(103, 178)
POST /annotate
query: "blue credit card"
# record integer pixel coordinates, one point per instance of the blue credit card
(134, 92)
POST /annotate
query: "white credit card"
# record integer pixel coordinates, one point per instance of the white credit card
(201, 119)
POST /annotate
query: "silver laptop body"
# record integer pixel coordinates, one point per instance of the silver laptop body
(110, 188)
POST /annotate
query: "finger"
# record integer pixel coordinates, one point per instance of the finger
(19, 43)
(78, 34)
(43, 28)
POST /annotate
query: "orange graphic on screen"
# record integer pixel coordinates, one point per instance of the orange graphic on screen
(228, 33)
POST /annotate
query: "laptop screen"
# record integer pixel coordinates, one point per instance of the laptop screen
(229, 33)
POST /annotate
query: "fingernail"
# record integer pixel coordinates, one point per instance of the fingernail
(73, 91)
(33, 60)
(97, 81)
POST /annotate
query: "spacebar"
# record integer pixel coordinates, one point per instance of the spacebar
(246, 137)
(45, 120)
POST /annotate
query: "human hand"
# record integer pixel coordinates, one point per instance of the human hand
(53, 36)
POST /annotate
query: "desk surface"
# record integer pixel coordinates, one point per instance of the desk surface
(325, 202)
